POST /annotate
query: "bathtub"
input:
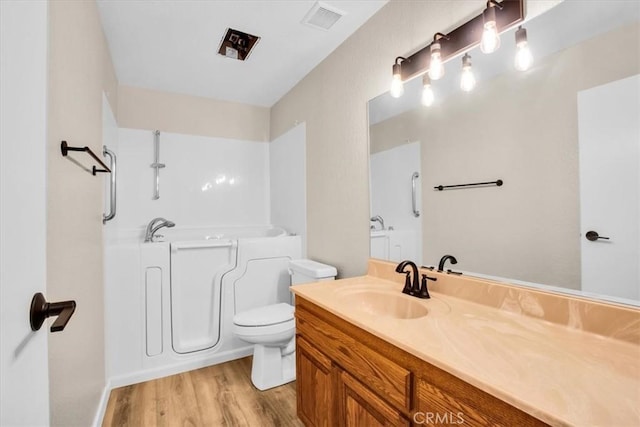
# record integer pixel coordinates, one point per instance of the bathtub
(170, 303)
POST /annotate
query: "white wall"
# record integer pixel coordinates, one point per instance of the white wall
(207, 181)
(287, 162)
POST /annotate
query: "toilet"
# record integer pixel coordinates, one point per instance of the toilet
(272, 329)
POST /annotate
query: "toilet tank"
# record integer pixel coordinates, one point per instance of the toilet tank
(306, 270)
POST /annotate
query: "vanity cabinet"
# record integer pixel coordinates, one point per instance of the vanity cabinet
(349, 377)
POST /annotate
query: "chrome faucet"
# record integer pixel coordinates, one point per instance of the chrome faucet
(379, 219)
(155, 225)
(444, 259)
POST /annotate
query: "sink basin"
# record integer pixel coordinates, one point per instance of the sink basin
(382, 301)
(386, 303)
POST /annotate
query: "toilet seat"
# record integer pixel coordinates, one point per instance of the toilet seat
(265, 316)
(274, 322)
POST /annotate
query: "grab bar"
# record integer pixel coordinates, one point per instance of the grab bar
(416, 212)
(200, 244)
(112, 185)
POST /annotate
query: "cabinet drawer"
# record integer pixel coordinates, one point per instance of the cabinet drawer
(389, 380)
(457, 402)
(361, 407)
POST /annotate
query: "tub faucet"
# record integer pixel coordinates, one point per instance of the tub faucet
(155, 225)
(379, 219)
(409, 288)
(444, 259)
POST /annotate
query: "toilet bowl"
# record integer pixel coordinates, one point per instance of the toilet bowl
(272, 330)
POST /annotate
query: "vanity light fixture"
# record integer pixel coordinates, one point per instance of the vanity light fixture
(496, 18)
(524, 58)
(467, 80)
(427, 93)
(490, 38)
(397, 87)
(436, 67)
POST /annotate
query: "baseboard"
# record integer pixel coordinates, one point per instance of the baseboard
(102, 407)
(163, 371)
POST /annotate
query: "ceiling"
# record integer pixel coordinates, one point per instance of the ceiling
(171, 45)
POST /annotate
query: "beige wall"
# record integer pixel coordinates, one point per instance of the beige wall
(332, 100)
(171, 112)
(527, 229)
(79, 70)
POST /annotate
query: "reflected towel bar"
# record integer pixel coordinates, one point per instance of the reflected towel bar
(64, 148)
(497, 183)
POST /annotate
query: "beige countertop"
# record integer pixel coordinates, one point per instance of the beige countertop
(562, 375)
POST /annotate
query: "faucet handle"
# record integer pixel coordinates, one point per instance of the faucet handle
(407, 284)
(424, 292)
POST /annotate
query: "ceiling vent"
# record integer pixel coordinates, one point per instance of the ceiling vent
(322, 16)
(237, 45)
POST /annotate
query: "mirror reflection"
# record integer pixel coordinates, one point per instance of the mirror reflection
(563, 137)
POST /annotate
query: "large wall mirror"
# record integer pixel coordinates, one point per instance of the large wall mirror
(564, 137)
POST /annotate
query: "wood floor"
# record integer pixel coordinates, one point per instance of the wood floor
(220, 395)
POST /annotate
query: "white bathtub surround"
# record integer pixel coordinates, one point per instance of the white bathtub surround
(206, 180)
(170, 304)
(287, 162)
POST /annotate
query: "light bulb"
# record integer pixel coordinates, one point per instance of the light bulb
(490, 39)
(397, 87)
(427, 93)
(436, 67)
(467, 80)
(524, 58)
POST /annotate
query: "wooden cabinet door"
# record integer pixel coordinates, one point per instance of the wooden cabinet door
(360, 407)
(314, 385)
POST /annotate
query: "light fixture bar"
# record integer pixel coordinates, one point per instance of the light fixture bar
(463, 38)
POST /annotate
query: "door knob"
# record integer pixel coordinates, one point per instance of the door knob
(593, 236)
(41, 309)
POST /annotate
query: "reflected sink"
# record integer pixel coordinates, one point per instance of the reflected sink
(388, 303)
